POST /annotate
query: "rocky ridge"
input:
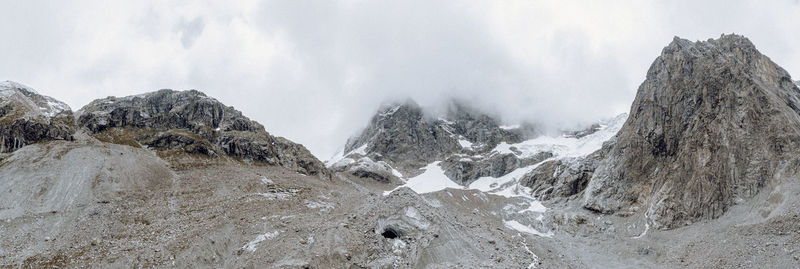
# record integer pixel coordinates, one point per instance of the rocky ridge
(26, 117)
(713, 123)
(177, 122)
(402, 138)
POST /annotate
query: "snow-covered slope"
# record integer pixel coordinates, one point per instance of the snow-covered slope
(561, 147)
(31, 103)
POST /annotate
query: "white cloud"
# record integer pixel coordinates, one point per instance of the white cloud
(315, 73)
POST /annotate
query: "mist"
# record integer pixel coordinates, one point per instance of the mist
(315, 72)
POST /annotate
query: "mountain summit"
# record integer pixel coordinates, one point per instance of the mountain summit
(714, 123)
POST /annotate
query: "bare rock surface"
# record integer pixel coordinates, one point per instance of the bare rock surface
(406, 138)
(713, 122)
(26, 117)
(193, 123)
(712, 125)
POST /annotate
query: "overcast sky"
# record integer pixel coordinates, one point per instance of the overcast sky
(315, 71)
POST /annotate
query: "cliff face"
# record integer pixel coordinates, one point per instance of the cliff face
(713, 122)
(402, 137)
(193, 123)
(26, 117)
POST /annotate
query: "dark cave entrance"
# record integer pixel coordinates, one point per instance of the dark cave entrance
(391, 233)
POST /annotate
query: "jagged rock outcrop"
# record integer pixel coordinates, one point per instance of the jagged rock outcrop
(564, 178)
(403, 136)
(713, 122)
(26, 117)
(191, 122)
(465, 170)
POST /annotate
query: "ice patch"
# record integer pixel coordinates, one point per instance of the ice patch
(415, 218)
(253, 245)
(534, 206)
(465, 143)
(513, 224)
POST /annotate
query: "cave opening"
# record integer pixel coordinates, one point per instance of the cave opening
(391, 233)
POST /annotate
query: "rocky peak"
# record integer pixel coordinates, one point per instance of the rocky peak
(28, 117)
(191, 122)
(480, 128)
(405, 137)
(713, 123)
(165, 109)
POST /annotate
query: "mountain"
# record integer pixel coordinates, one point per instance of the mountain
(702, 173)
(401, 139)
(189, 122)
(26, 117)
(714, 123)
(175, 178)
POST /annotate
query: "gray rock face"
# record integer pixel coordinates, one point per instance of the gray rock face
(713, 122)
(194, 123)
(466, 170)
(26, 117)
(481, 129)
(564, 178)
(401, 134)
(404, 137)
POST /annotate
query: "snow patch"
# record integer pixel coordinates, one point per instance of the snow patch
(253, 244)
(276, 195)
(515, 225)
(510, 127)
(433, 179)
(415, 218)
(398, 246)
(342, 163)
(533, 255)
(360, 150)
(266, 181)
(390, 111)
(564, 146)
(465, 143)
(323, 206)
